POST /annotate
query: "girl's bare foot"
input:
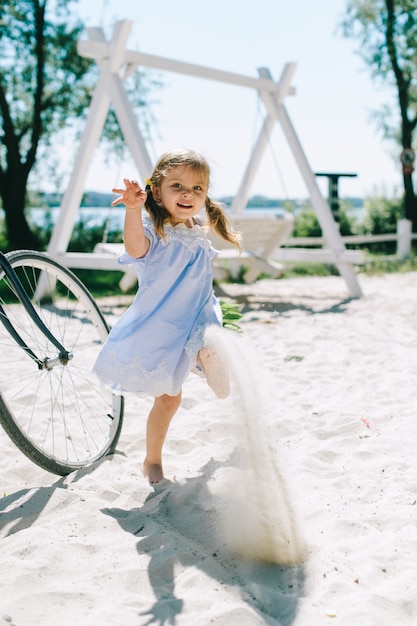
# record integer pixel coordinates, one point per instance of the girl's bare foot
(153, 472)
(216, 372)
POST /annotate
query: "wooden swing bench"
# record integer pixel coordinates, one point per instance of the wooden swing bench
(261, 233)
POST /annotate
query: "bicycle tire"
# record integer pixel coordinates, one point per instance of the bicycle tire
(61, 418)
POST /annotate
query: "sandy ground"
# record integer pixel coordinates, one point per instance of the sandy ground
(292, 502)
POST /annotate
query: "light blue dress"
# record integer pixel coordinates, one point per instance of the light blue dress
(154, 345)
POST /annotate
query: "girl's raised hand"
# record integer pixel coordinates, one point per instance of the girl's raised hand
(133, 196)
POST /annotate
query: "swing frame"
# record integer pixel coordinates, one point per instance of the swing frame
(116, 63)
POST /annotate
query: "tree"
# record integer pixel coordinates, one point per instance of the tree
(45, 86)
(387, 31)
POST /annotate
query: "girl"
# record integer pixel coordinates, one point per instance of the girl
(161, 337)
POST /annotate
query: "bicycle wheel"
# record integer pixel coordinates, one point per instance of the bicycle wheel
(61, 418)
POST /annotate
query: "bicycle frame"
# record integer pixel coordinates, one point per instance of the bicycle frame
(63, 355)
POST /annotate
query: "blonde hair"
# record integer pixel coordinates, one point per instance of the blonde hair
(217, 219)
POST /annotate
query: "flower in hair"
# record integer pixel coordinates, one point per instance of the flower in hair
(148, 183)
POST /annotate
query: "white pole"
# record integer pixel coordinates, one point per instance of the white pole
(100, 50)
(99, 107)
(241, 197)
(324, 215)
(281, 89)
(404, 232)
(130, 128)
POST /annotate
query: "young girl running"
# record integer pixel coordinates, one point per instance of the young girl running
(161, 337)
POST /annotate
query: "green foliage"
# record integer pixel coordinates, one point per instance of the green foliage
(231, 315)
(41, 74)
(309, 269)
(47, 85)
(381, 216)
(42, 88)
(348, 224)
(45, 92)
(3, 235)
(83, 238)
(307, 224)
(370, 22)
(378, 266)
(139, 87)
(387, 35)
(102, 283)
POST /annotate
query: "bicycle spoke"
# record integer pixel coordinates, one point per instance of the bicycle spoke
(61, 418)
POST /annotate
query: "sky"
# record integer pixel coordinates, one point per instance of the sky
(331, 110)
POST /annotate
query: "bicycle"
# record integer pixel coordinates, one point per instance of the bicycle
(51, 405)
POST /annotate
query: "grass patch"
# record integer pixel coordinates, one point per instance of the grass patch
(380, 265)
(375, 265)
(309, 269)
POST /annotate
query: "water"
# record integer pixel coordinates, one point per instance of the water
(91, 216)
(113, 217)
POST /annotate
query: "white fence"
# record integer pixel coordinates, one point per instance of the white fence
(404, 238)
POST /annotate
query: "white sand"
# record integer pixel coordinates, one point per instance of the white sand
(335, 380)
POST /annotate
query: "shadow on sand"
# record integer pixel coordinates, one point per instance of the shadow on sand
(175, 541)
(250, 301)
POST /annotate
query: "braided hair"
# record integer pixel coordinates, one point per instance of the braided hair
(217, 219)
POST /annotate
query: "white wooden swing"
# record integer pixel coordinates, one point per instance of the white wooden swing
(116, 64)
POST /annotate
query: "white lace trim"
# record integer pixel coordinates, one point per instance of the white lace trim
(193, 347)
(191, 238)
(134, 377)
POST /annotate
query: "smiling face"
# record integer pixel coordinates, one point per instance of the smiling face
(183, 193)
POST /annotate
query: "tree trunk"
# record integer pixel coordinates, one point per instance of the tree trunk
(13, 194)
(410, 201)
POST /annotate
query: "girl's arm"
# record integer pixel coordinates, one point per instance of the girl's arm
(133, 197)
